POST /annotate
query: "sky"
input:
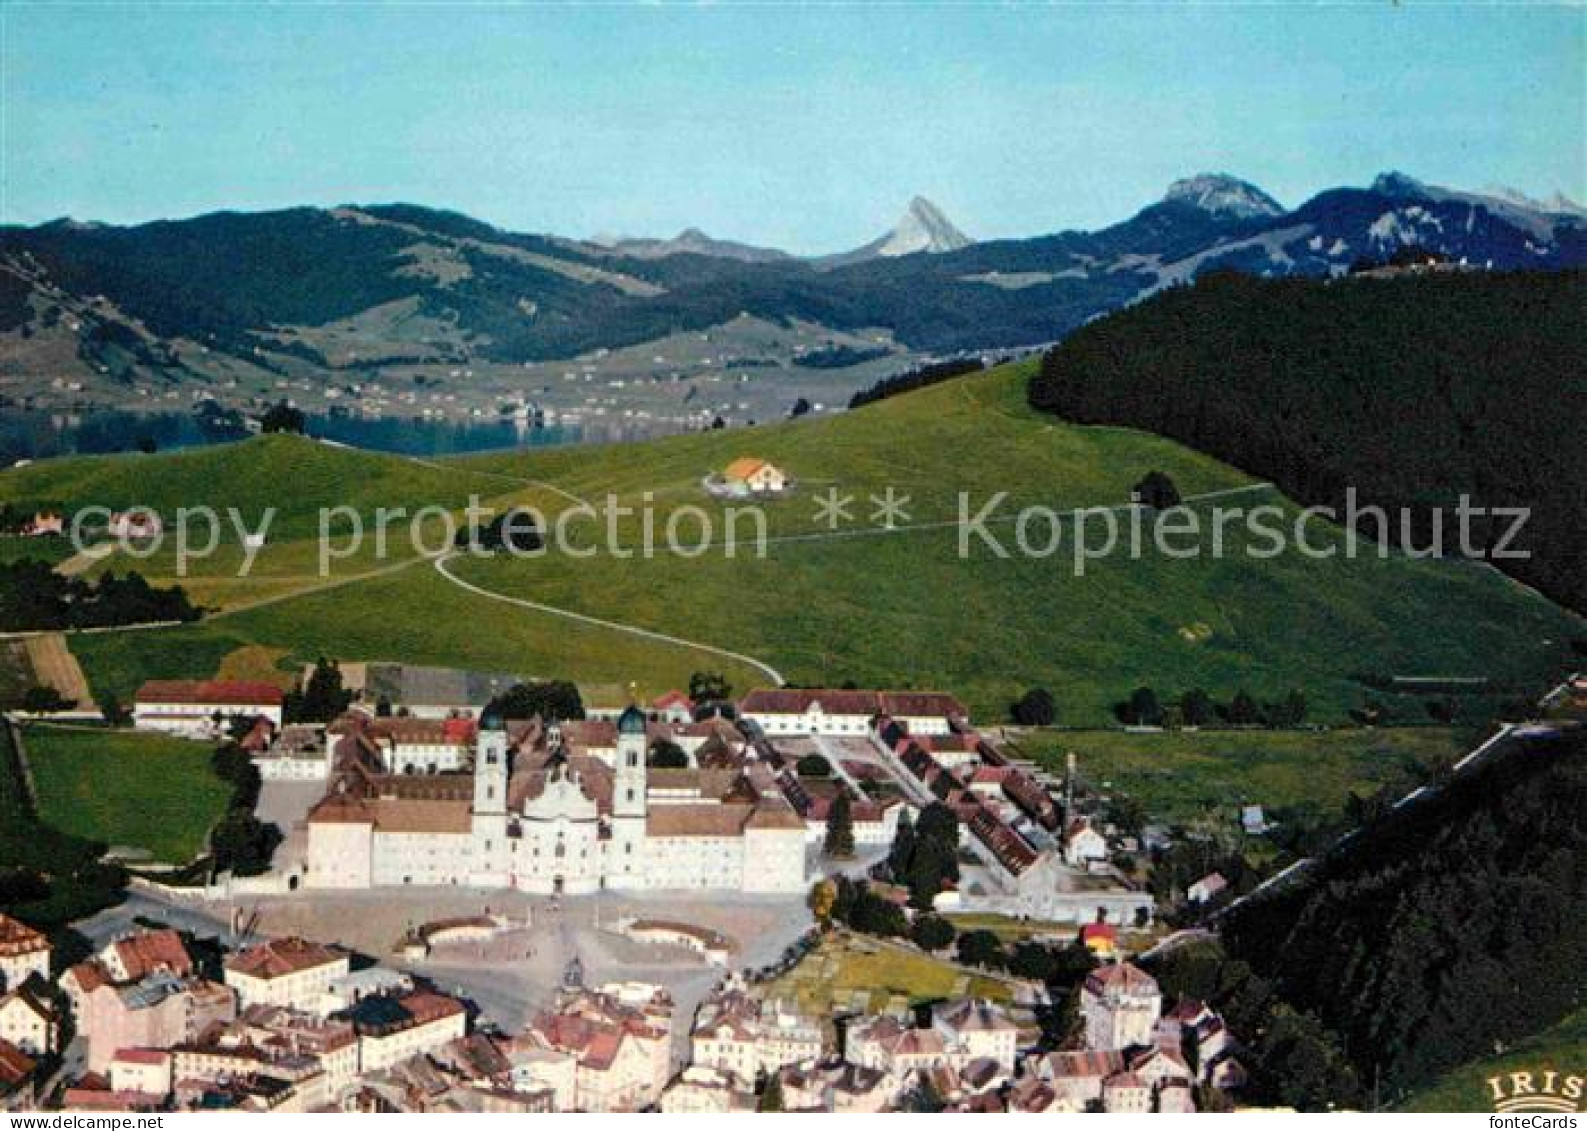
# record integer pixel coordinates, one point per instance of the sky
(799, 127)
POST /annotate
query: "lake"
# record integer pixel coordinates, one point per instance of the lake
(40, 435)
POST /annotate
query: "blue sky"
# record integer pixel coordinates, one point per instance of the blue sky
(800, 127)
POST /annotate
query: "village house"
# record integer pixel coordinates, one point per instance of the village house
(159, 1012)
(24, 952)
(139, 522)
(44, 523)
(750, 476)
(673, 707)
(746, 1036)
(1208, 888)
(1083, 845)
(977, 1030)
(286, 972)
(145, 1073)
(1120, 1005)
(838, 1086)
(701, 1090)
(619, 1038)
(392, 1029)
(134, 957)
(28, 1020)
(203, 709)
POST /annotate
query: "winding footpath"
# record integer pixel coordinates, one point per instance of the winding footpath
(643, 633)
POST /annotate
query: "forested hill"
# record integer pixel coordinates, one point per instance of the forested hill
(1444, 929)
(1413, 390)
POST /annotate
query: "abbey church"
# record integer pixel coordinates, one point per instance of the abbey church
(540, 811)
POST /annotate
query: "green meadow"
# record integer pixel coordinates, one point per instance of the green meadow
(901, 608)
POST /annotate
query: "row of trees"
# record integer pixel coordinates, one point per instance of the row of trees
(855, 904)
(34, 597)
(240, 843)
(1195, 708)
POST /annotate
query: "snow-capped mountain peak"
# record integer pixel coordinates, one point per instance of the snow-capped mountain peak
(923, 227)
(1224, 195)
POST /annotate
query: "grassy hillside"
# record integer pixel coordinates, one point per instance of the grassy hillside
(1562, 1048)
(1181, 776)
(899, 607)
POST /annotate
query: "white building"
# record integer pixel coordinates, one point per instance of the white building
(745, 1036)
(287, 972)
(23, 952)
(394, 1029)
(1120, 1005)
(535, 816)
(203, 708)
(28, 1021)
(842, 713)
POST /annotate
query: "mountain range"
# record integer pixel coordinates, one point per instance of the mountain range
(244, 300)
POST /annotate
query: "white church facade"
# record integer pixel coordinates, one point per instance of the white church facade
(533, 814)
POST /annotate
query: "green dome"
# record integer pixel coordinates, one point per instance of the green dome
(631, 721)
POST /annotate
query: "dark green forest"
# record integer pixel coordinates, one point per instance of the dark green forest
(1412, 390)
(1435, 934)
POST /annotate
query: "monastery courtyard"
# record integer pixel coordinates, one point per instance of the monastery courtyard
(514, 974)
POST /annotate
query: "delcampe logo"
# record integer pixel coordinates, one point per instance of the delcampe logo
(1538, 1090)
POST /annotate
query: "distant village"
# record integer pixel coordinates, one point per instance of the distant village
(758, 805)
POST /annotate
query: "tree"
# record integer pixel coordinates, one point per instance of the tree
(1141, 709)
(40, 700)
(822, 902)
(771, 1098)
(112, 710)
(1156, 490)
(1195, 708)
(281, 417)
(1032, 960)
(840, 828)
(874, 915)
(931, 868)
(554, 700)
(932, 932)
(813, 766)
(242, 844)
(981, 948)
(322, 698)
(903, 849)
(1035, 708)
(938, 822)
(1243, 711)
(709, 687)
(668, 755)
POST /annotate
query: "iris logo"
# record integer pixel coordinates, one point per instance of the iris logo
(1540, 1090)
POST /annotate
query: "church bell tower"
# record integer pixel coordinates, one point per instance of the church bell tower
(626, 860)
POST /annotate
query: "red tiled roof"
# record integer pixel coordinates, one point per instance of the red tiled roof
(17, 938)
(15, 1065)
(142, 1056)
(144, 953)
(280, 957)
(1122, 977)
(211, 692)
